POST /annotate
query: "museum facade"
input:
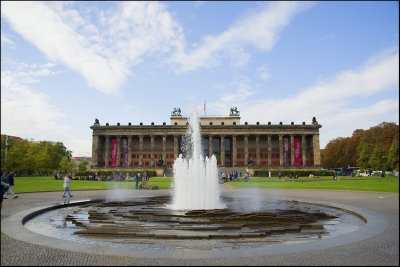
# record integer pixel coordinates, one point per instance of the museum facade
(235, 145)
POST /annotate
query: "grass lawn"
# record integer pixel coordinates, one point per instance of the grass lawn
(372, 183)
(368, 183)
(47, 183)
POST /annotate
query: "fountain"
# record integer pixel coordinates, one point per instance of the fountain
(195, 183)
(194, 215)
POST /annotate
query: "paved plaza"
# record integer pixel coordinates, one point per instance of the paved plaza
(377, 244)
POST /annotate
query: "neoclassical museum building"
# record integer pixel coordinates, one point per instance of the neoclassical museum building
(235, 145)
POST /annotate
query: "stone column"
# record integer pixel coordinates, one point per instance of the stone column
(107, 152)
(164, 150)
(140, 150)
(317, 155)
(234, 151)
(210, 146)
(222, 151)
(95, 152)
(258, 150)
(303, 149)
(292, 149)
(130, 150)
(152, 150)
(118, 150)
(281, 150)
(176, 143)
(246, 149)
(269, 151)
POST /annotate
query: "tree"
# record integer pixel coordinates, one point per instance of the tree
(379, 157)
(82, 165)
(66, 165)
(328, 157)
(364, 156)
(393, 156)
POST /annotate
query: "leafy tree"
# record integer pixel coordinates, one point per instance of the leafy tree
(393, 155)
(364, 156)
(11, 144)
(329, 154)
(82, 165)
(352, 144)
(66, 165)
(379, 157)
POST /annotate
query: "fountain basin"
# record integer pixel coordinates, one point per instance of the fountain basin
(146, 222)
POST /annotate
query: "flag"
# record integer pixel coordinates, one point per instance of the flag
(204, 106)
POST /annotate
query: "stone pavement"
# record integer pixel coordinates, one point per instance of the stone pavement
(378, 245)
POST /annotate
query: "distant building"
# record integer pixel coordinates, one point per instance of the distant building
(14, 137)
(235, 145)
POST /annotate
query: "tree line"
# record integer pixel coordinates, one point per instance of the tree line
(37, 158)
(376, 148)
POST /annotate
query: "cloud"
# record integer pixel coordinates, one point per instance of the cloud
(27, 113)
(259, 29)
(7, 42)
(101, 55)
(343, 123)
(29, 73)
(263, 73)
(103, 45)
(336, 102)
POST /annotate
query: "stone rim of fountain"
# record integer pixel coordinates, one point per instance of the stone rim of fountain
(376, 224)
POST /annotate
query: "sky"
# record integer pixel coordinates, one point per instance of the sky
(64, 64)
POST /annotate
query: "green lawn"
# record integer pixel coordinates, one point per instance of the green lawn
(374, 183)
(377, 184)
(47, 183)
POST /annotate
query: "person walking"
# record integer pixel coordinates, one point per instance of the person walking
(10, 179)
(138, 179)
(67, 179)
(4, 188)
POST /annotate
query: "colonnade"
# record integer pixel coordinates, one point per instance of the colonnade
(233, 150)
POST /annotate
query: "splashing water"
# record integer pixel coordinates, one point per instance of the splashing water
(195, 177)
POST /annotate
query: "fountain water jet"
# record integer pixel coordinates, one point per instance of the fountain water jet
(195, 184)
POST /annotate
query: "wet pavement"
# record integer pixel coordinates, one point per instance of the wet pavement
(375, 244)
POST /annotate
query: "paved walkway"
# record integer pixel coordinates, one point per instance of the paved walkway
(378, 246)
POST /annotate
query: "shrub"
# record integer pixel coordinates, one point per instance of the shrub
(300, 173)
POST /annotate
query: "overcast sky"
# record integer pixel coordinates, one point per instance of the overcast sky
(63, 64)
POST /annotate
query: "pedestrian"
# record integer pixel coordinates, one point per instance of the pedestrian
(10, 179)
(67, 179)
(279, 175)
(246, 177)
(138, 178)
(4, 188)
(145, 180)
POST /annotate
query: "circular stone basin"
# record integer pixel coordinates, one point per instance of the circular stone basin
(148, 222)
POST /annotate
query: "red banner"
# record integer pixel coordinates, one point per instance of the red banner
(125, 152)
(113, 152)
(297, 151)
(285, 151)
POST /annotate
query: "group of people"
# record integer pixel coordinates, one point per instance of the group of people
(118, 177)
(232, 177)
(144, 178)
(7, 185)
